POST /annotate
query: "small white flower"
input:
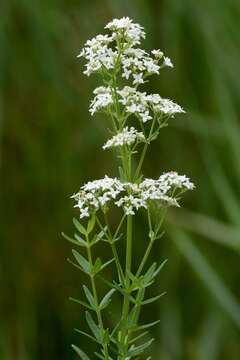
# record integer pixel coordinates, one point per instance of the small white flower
(145, 116)
(157, 53)
(84, 213)
(167, 62)
(151, 66)
(133, 108)
(138, 78)
(168, 107)
(102, 99)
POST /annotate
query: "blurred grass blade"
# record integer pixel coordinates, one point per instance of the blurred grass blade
(208, 275)
(208, 227)
(221, 185)
(210, 339)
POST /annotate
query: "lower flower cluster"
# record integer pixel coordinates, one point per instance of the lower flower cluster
(99, 194)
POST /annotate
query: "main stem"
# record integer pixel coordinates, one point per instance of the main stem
(127, 168)
(125, 311)
(98, 311)
(126, 160)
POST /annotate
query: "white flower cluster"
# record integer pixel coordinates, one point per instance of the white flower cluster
(125, 28)
(98, 54)
(140, 103)
(103, 98)
(125, 137)
(103, 51)
(135, 102)
(139, 64)
(98, 194)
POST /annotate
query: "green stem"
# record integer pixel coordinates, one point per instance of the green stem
(129, 246)
(98, 311)
(143, 154)
(141, 292)
(111, 241)
(146, 255)
(125, 311)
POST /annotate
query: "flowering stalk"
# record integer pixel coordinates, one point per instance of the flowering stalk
(118, 60)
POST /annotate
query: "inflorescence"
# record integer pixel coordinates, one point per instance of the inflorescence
(117, 55)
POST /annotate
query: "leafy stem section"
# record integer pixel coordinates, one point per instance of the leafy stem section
(121, 342)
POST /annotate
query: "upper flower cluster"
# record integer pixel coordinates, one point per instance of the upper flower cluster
(126, 29)
(118, 50)
(98, 194)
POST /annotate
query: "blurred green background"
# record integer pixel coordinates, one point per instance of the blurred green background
(50, 145)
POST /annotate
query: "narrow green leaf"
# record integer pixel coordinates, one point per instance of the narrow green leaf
(85, 334)
(82, 261)
(151, 300)
(97, 266)
(91, 224)
(107, 298)
(106, 337)
(106, 264)
(82, 354)
(93, 327)
(79, 227)
(81, 303)
(89, 296)
(81, 241)
(138, 337)
(160, 267)
(71, 240)
(139, 349)
(145, 326)
(117, 326)
(150, 273)
(75, 265)
(102, 233)
(131, 317)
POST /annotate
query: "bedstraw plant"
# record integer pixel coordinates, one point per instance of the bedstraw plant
(135, 120)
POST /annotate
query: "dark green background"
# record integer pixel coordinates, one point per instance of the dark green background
(50, 145)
